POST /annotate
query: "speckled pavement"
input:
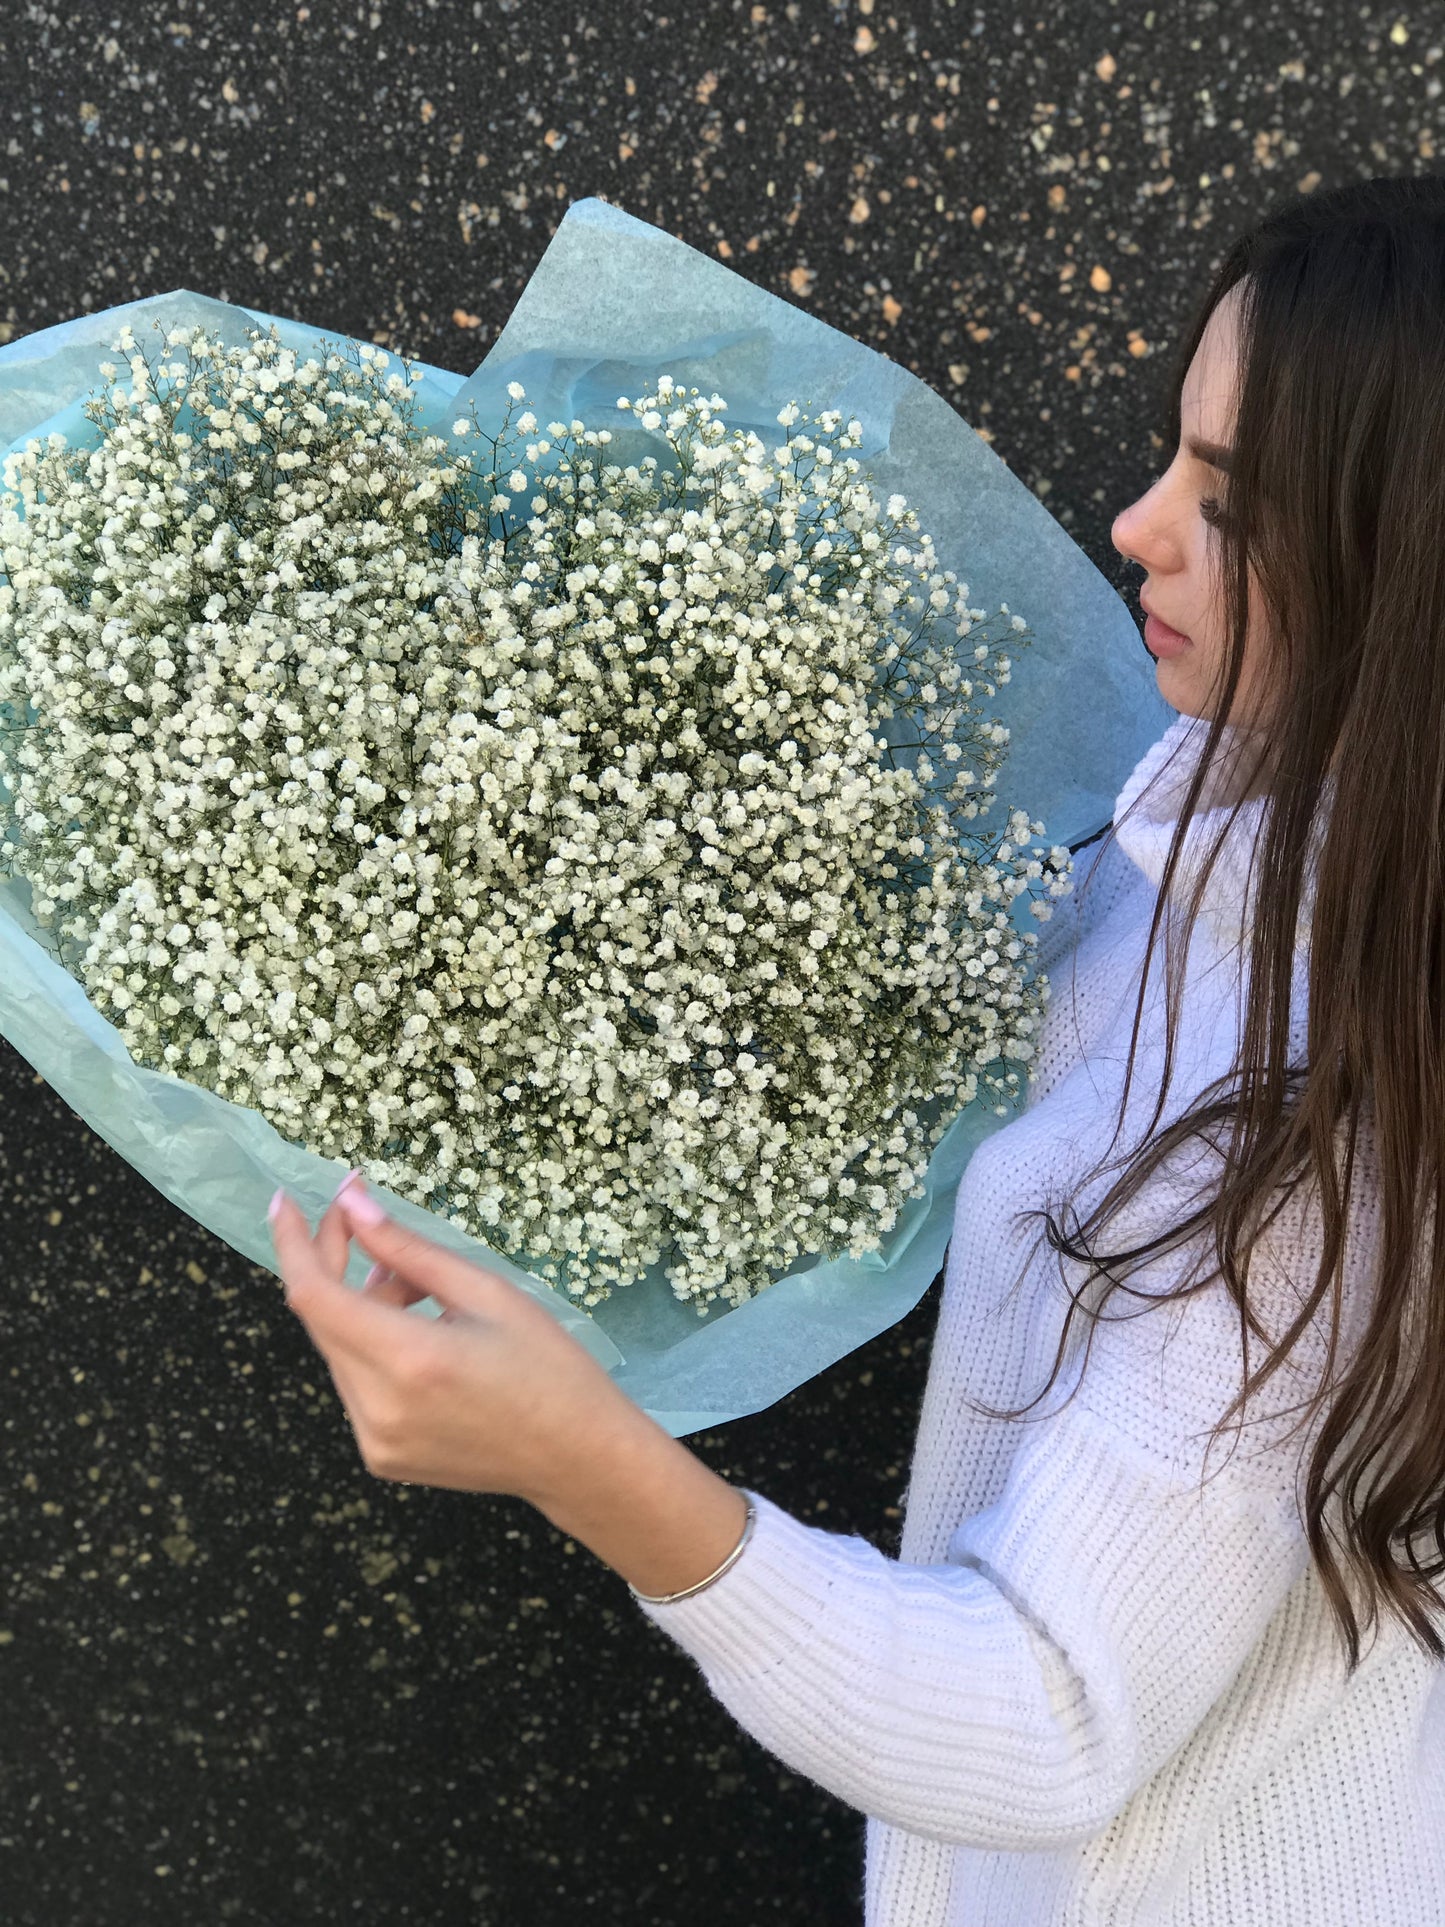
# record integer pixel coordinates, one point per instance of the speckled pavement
(241, 1679)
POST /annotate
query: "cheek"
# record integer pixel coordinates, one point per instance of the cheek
(1215, 624)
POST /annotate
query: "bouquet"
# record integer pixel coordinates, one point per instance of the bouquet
(534, 828)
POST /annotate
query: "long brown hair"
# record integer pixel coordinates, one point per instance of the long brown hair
(1336, 503)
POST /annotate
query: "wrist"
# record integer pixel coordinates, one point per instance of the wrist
(650, 1509)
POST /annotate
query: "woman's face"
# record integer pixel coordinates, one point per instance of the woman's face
(1169, 533)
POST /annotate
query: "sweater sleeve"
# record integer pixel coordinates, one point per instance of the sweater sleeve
(1017, 1699)
(1017, 1695)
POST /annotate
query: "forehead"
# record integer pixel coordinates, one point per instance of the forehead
(1207, 399)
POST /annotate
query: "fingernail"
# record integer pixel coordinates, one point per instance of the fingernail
(375, 1275)
(273, 1210)
(359, 1205)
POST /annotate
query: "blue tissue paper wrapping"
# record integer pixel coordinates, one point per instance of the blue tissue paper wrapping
(613, 303)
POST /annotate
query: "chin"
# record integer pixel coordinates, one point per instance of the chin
(1185, 704)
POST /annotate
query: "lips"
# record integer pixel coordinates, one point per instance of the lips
(1164, 621)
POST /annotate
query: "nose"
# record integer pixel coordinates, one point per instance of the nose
(1144, 531)
(1129, 533)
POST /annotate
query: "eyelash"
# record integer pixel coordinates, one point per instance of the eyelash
(1210, 509)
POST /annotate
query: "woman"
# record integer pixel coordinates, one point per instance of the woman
(1113, 1678)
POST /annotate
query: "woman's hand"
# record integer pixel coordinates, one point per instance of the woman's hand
(493, 1397)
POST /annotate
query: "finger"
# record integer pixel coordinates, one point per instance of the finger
(300, 1274)
(332, 1243)
(338, 1318)
(287, 1226)
(383, 1284)
(303, 1260)
(453, 1281)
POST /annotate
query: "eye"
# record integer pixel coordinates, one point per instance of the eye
(1210, 509)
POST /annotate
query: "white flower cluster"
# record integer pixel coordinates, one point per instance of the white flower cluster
(520, 831)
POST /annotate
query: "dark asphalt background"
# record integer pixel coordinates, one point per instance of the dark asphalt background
(240, 1678)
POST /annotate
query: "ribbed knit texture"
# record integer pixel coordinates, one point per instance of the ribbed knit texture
(1091, 1693)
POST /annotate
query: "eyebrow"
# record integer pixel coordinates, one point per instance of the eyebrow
(1212, 453)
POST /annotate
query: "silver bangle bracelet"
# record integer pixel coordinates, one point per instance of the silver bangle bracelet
(666, 1599)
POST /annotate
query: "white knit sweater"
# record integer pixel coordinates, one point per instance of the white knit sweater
(1088, 1695)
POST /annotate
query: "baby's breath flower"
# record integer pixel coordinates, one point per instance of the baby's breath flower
(548, 859)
